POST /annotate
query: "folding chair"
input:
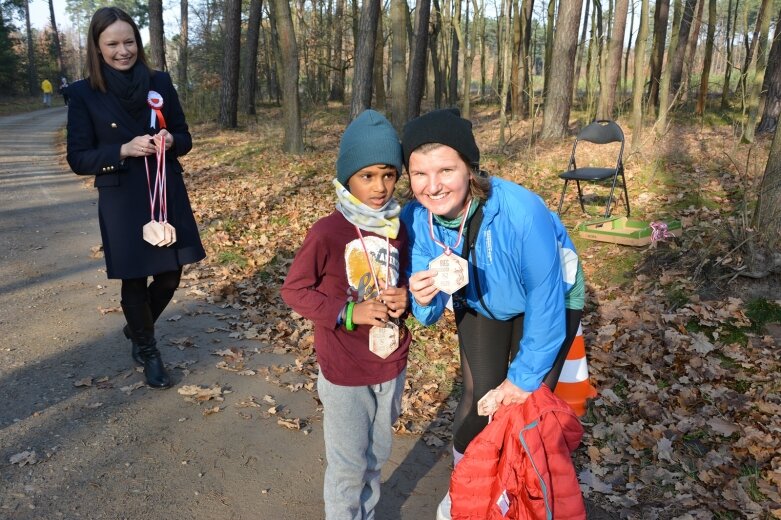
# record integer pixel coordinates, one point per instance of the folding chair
(598, 132)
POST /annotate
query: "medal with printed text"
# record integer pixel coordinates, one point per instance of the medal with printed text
(452, 272)
(383, 341)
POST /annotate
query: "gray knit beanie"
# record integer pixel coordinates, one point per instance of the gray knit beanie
(369, 139)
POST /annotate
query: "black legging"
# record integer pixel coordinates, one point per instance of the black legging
(158, 294)
(487, 347)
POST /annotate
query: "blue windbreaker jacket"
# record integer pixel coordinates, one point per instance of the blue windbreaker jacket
(520, 272)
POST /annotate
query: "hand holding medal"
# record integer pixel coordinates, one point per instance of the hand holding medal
(384, 334)
(158, 232)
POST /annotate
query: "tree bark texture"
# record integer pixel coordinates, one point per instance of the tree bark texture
(337, 75)
(725, 88)
(581, 47)
(558, 103)
(679, 53)
(291, 106)
(377, 73)
(767, 215)
(56, 40)
(364, 58)
(691, 51)
(772, 85)
(661, 16)
(184, 27)
(639, 77)
(607, 96)
(455, 20)
(756, 71)
(433, 43)
(229, 93)
(253, 38)
(664, 84)
(707, 62)
(398, 89)
(550, 32)
(416, 76)
(32, 75)
(156, 35)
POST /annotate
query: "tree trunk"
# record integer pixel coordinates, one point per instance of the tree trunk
(725, 90)
(524, 81)
(757, 71)
(416, 76)
(32, 75)
(550, 32)
(691, 51)
(505, 49)
(470, 40)
(337, 76)
(558, 103)
(291, 106)
(767, 215)
(378, 67)
(483, 53)
(706, 65)
(639, 78)
(253, 37)
(364, 58)
(607, 97)
(594, 63)
(156, 35)
(664, 85)
(56, 40)
(772, 85)
(274, 63)
(433, 43)
(455, 27)
(184, 87)
(581, 47)
(679, 53)
(398, 89)
(229, 93)
(661, 15)
(628, 48)
(517, 61)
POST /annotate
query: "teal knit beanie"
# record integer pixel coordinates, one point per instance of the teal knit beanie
(369, 139)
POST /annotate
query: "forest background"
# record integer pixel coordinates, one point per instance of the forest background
(682, 335)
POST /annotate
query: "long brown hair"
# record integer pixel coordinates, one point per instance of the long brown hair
(102, 18)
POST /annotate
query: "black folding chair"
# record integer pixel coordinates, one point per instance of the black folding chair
(598, 132)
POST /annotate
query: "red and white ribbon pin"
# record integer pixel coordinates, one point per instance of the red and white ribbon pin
(155, 102)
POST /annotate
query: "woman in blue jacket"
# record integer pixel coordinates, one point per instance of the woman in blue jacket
(119, 118)
(512, 309)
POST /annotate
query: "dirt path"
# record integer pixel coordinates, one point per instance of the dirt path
(104, 450)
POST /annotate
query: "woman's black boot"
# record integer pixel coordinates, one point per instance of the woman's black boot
(135, 349)
(142, 333)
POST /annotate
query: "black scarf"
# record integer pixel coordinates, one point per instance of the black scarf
(130, 87)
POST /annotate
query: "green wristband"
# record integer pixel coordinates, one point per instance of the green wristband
(348, 317)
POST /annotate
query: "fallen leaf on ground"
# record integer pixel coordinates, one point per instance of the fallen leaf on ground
(24, 458)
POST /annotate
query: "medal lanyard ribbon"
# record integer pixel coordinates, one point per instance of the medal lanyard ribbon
(158, 192)
(371, 267)
(444, 246)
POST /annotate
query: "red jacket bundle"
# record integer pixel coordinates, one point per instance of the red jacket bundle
(520, 466)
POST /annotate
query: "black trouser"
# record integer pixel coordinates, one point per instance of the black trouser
(157, 295)
(487, 347)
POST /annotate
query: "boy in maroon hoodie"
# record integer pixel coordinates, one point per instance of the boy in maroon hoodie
(348, 278)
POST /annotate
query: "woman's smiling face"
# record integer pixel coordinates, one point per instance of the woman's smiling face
(118, 46)
(439, 179)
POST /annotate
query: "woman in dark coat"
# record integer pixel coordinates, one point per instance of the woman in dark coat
(113, 130)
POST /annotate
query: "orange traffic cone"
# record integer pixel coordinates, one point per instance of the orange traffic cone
(573, 386)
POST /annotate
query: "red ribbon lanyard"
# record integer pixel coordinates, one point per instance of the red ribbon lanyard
(160, 187)
(446, 247)
(371, 267)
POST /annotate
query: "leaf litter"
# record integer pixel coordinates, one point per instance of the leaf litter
(687, 420)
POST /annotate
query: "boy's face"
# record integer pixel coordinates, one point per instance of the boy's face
(373, 185)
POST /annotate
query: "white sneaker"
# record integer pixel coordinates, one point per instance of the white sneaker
(443, 511)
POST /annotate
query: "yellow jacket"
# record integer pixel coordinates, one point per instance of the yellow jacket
(46, 86)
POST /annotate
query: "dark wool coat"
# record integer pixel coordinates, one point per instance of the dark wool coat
(97, 127)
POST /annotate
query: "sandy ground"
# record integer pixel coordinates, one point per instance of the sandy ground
(87, 438)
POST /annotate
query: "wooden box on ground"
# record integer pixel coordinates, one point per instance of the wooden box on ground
(621, 230)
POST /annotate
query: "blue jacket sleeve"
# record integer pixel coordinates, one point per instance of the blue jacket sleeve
(419, 258)
(544, 320)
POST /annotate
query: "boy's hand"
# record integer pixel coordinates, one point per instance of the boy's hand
(396, 300)
(370, 312)
(421, 285)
